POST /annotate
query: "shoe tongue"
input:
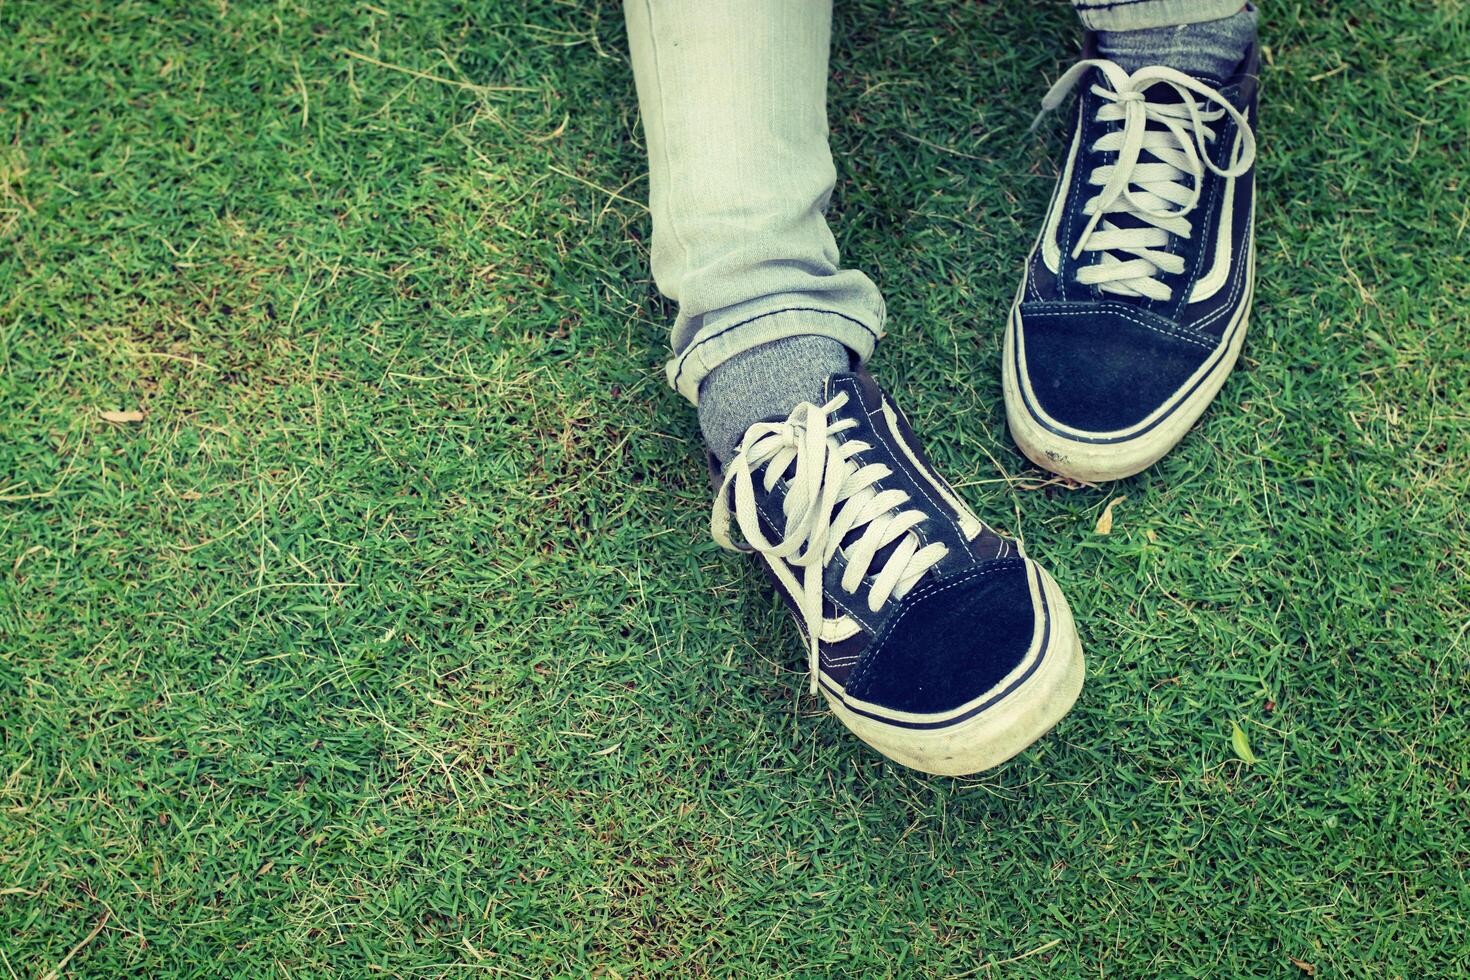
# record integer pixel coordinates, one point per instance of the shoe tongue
(1162, 94)
(880, 559)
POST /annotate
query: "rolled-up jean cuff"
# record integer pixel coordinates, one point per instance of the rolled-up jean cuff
(1134, 15)
(719, 341)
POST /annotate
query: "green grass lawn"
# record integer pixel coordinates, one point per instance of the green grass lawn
(391, 640)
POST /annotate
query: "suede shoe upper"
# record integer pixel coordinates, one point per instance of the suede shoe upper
(1119, 310)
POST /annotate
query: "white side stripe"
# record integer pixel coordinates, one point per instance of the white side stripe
(970, 525)
(833, 630)
(1219, 273)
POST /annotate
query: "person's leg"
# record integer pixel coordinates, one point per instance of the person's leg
(1197, 37)
(733, 98)
(928, 634)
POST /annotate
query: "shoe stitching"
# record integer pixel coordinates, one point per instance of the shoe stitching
(973, 574)
(866, 669)
(896, 456)
(1238, 287)
(1130, 317)
(1182, 300)
(1084, 147)
(860, 619)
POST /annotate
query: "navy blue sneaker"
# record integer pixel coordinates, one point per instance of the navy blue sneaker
(1133, 305)
(932, 637)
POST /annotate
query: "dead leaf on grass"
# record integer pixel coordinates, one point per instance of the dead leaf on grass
(1105, 521)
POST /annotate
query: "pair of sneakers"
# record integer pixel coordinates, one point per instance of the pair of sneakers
(934, 638)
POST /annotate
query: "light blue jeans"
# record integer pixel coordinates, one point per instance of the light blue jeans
(733, 95)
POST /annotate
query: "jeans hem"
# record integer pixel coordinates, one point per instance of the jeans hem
(719, 341)
(1134, 15)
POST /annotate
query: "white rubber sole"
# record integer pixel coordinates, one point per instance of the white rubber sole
(1000, 730)
(1121, 456)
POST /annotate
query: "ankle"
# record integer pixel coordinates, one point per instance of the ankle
(1212, 48)
(764, 382)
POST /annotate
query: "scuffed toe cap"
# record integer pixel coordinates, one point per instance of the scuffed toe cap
(950, 642)
(1101, 367)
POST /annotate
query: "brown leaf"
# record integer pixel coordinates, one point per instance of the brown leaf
(129, 416)
(1105, 521)
(1307, 968)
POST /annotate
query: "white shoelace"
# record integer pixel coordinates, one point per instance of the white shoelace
(1161, 192)
(826, 478)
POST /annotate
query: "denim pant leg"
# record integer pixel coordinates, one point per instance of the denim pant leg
(733, 97)
(1133, 15)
